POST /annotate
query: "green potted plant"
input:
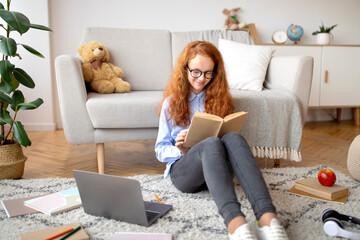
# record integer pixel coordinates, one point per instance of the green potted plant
(323, 35)
(12, 100)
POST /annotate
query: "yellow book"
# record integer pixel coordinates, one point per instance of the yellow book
(312, 186)
(204, 125)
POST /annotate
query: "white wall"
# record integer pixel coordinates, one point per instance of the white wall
(41, 119)
(68, 18)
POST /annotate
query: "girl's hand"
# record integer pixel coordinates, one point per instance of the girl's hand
(180, 138)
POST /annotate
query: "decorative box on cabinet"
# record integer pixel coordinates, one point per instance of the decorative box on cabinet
(336, 76)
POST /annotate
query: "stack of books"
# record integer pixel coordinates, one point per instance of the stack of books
(311, 187)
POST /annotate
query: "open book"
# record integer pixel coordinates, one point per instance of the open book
(204, 125)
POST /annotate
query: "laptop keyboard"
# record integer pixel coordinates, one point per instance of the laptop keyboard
(150, 215)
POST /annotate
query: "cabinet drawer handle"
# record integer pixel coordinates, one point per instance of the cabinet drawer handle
(326, 76)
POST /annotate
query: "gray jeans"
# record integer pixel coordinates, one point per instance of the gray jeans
(211, 164)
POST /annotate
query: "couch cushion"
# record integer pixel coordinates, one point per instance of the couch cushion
(137, 109)
(245, 65)
(144, 55)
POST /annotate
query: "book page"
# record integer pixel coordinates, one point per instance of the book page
(234, 115)
(233, 123)
(207, 115)
(202, 127)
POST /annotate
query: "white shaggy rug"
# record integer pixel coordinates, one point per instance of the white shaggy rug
(194, 216)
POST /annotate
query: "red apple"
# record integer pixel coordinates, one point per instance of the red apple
(326, 177)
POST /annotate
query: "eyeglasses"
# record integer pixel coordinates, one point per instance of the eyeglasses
(196, 73)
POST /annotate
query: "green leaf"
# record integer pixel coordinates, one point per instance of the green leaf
(31, 105)
(6, 87)
(5, 117)
(16, 20)
(5, 105)
(17, 55)
(1, 7)
(40, 27)
(18, 98)
(9, 87)
(15, 83)
(33, 51)
(8, 46)
(6, 98)
(23, 78)
(20, 134)
(332, 27)
(6, 68)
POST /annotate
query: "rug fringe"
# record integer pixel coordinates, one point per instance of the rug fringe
(276, 153)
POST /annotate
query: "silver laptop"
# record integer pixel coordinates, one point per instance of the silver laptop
(117, 198)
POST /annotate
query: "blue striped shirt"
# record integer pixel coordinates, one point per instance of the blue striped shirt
(165, 148)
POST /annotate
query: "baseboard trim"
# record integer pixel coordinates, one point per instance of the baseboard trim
(40, 127)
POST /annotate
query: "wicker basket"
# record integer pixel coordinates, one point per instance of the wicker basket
(12, 161)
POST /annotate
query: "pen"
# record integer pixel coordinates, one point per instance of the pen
(60, 234)
(158, 198)
(70, 233)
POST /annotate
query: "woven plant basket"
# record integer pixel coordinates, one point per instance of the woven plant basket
(12, 161)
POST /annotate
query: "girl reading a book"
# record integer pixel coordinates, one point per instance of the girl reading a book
(198, 83)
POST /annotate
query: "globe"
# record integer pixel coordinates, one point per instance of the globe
(295, 32)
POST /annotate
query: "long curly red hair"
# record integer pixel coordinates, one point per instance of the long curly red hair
(218, 100)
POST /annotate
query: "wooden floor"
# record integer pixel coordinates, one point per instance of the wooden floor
(51, 155)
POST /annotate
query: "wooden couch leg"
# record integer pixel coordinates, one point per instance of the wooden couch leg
(276, 162)
(357, 116)
(100, 154)
(338, 114)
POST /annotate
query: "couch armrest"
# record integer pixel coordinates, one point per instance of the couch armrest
(293, 73)
(72, 100)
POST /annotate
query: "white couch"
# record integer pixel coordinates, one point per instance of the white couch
(147, 58)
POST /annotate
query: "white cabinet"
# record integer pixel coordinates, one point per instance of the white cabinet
(340, 76)
(336, 76)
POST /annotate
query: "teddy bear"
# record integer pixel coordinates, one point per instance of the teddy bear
(232, 22)
(102, 76)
